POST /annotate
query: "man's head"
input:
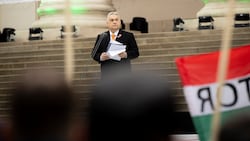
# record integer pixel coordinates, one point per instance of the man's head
(132, 107)
(113, 21)
(41, 105)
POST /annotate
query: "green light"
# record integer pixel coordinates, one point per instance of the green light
(78, 10)
(205, 1)
(47, 11)
(52, 11)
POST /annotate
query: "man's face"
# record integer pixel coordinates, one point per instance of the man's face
(113, 23)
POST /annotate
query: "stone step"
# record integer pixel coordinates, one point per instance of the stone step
(78, 64)
(152, 58)
(188, 33)
(155, 51)
(80, 74)
(189, 38)
(79, 83)
(160, 43)
(85, 72)
(82, 89)
(167, 34)
(28, 65)
(42, 42)
(139, 38)
(88, 68)
(90, 76)
(158, 52)
(84, 95)
(78, 51)
(143, 50)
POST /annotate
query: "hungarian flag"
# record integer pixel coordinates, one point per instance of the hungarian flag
(198, 75)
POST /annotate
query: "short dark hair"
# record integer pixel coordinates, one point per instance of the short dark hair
(131, 107)
(41, 104)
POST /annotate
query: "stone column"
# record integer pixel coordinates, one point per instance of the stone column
(90, 15)
(218, 8)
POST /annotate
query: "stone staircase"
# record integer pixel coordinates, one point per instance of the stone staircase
(157, 54)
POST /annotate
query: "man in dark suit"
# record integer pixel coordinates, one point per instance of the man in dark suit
(114, 33)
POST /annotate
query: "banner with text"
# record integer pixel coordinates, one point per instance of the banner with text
(198, 76)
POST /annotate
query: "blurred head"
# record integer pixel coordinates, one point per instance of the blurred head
(113, 21)
(41, 105)
(236, 128)
(131, 107)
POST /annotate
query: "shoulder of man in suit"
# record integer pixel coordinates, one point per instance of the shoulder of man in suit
(103, 34)
(125, 32)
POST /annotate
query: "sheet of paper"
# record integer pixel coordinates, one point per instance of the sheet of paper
(115, 48)
(116, 42)
(116, 57)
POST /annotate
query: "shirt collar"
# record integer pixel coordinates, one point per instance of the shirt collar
(116, 33)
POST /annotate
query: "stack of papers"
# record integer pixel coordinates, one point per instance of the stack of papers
(114, 49)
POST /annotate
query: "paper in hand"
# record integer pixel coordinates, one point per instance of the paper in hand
(115, 48)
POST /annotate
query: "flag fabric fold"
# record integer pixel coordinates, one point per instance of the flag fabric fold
(198, 77)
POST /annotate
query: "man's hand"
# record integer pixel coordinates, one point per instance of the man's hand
(123, 55)
(104, 56)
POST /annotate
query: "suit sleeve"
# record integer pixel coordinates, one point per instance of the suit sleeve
(132, 50)
(98, 53)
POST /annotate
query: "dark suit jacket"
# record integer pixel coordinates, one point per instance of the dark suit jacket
(127, 39)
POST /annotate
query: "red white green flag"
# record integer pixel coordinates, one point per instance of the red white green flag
(198, 75)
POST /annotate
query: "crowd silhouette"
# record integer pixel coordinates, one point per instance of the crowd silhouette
(125, 106)
(134, 107)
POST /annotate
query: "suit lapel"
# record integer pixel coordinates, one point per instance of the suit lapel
(119, 36)
(108, 38)
(106, 41)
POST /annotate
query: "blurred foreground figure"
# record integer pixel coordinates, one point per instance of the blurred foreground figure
(41, 107)
(131, 107)
(237, 128)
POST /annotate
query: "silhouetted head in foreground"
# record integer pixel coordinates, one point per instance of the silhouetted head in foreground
(41, 106)
(237, 128)
(131, 107)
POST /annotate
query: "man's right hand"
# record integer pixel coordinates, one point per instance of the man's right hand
(104, 56)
